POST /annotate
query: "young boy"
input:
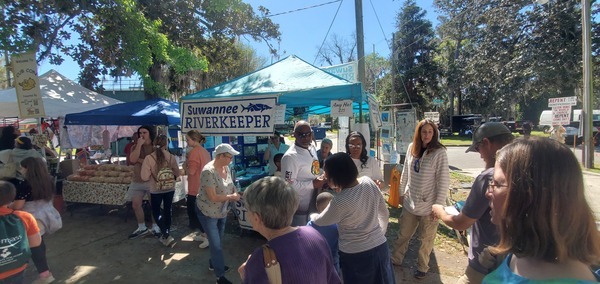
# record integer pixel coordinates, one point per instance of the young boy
(330, 233)
(12, 265)
(277, 162)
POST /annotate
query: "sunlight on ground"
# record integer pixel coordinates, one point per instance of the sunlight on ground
(167, 258)
(80, 272)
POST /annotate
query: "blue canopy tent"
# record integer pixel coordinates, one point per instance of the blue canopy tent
(150, 112)
(299, 84)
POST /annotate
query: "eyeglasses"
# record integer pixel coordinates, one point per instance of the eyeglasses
(492, 185)
(417, 165)
(303, 135)
(354, 146)
(228, 156)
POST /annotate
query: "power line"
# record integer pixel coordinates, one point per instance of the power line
(328, 30)
(305, 8)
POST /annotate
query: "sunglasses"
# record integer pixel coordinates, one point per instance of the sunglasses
(352, 146)
(417, 165)
(303, 135)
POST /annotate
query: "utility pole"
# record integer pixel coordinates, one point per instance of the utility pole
(360, 49)
(588, 146)
(7, 66)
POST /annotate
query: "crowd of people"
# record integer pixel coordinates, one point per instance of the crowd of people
(324, 217)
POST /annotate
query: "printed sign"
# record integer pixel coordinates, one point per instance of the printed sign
(248, 116)
(348, 71)
(280, 114)
(374, 112)
(27, 85)
(433, 115)
(341, 108)
(561, 115)
(405, 128)
(563, 101)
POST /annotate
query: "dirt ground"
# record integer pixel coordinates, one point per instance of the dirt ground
(92, 247)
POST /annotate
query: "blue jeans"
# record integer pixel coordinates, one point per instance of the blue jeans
(371, 266)
(162, 220)
(214, 228)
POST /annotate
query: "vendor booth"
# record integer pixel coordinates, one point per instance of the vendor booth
(107, 183)
(59, 95)
(247, 106)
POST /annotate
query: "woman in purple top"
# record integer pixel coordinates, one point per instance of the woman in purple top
(302, 253)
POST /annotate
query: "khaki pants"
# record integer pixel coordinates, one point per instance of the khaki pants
(409, 224)
(471, 276)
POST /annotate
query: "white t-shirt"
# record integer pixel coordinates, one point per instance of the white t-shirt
(297, 165)
(371, 169)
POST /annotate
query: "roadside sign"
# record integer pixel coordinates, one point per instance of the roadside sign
(438, 102)
(561, 115)
(433, 115)
(563, 101)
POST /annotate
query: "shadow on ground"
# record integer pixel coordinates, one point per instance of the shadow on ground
(92, 247)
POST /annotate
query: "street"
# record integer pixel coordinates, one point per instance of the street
(471, 164)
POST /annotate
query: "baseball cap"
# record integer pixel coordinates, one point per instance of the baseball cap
(225, 148)
(487, 130)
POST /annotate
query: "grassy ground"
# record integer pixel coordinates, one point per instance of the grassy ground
(446, 237)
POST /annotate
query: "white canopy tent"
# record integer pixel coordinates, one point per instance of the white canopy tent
(60, 96)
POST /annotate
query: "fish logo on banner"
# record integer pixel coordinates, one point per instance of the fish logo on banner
(255, 107)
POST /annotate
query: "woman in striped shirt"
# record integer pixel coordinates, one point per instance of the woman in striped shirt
(424, 182)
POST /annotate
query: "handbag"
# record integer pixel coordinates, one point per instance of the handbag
(8, 169)
(271, 265)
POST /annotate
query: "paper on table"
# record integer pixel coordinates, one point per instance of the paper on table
(451, 210)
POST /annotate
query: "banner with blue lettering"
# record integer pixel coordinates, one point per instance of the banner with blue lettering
(230, 116)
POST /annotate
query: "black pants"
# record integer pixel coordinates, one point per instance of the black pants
(191, 211)
(162, 220)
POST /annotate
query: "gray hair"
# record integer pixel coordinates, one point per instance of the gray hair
(274, 200)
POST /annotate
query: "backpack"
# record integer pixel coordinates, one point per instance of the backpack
(165, 178)
(14, 245)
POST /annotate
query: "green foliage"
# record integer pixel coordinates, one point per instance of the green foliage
(415, 73)
(163, 42)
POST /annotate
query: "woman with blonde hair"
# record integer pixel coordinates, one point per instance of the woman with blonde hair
(546, 226)
(195, 161)
(425, 181)
(161, 169)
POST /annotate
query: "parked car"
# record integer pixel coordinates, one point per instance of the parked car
(572, 135)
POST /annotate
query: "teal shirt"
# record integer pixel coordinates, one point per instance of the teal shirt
(503, 274)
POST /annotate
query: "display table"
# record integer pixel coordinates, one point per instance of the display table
(106, 193)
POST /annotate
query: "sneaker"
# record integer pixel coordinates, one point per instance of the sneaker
(44, 280)
(420, 275)
(138, 233)
(168, 241)
(199, 238)
(204, 244)
(211, 268)
(223, 280)
(156, 232)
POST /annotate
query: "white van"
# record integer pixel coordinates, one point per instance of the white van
(546, 118)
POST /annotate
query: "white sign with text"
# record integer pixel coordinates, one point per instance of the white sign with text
(27, 85)
(561, 115)
(248, 116)
(563, 101)
(341, 108)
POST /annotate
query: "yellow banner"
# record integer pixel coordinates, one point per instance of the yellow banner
(27, 85)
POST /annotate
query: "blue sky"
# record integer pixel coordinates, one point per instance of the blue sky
(302, 32)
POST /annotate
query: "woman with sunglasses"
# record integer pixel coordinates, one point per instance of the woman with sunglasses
(356, 147)
(275, 147)
(546, 226)
(424, 182)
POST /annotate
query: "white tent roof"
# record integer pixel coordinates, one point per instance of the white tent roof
(60, 96)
